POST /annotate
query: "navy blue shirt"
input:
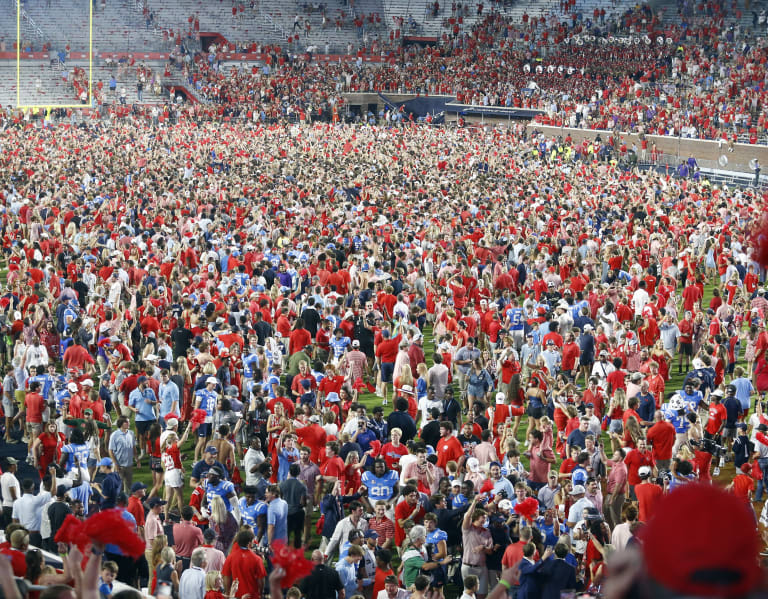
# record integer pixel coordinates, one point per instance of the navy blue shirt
(578, 438)
(733, 409)
(647, 406)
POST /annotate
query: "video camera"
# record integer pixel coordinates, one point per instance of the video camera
(709, 446)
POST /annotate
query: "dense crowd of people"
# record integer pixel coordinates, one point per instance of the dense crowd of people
(693, 74)
(436, 369)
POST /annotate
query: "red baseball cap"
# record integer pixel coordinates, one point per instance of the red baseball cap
(703, 541)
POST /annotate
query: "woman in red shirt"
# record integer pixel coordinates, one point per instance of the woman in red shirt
(155, 461)
(46, 449)
(352, 476)
(392, 452)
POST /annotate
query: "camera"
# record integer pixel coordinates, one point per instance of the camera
(503, 494)
(710, 447)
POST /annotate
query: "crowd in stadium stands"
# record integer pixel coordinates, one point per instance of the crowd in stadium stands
(695, 79)
(443, 361)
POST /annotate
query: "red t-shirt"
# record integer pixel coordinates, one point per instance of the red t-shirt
(387, 350)
(402, 511)
(448, 450)
(246, 567)
(333, 467)
(648, 497)
(634, 461)
(662, 436)
(35, 406)
(391, 455)
(312, 436)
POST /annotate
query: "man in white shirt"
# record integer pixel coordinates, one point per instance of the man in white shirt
(640, 298)
(192, 582)
(28, 509)
(11, 490)
(621, 533)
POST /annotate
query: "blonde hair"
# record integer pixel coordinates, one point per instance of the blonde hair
(159, 543)
(210, 580)
(406, 376)
(421, 370)
(218, 510)
(168, 555)
(209, 368)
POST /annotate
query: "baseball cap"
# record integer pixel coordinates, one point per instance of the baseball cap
(211, 380)
(355, 343)
(155, 501)
(72, 387)
(105, 462)
(500, 397)
(142, 379)
(211, 449)
(137, 486)
(644, 471)
(707, 561)
(87, 383)
(315, 419)
(11, 460)
(473, 464)
(578, 490)
(505, 504)
(171, 422)
(371, 534)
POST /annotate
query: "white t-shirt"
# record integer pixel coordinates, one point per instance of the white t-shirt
(7, 481)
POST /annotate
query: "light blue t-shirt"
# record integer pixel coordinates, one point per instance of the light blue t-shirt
(137, 399)
(277, 515)
(744, 389)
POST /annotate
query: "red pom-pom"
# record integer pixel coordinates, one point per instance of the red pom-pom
(528, 508)
(109, 526)
(758, 239)
(487, 486)
(375, 447)
(198, 418)
(294, 563)
(71, 533)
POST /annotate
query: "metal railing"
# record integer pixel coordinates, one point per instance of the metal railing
(28, 25)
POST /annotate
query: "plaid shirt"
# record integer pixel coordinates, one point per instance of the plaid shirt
(385, 528)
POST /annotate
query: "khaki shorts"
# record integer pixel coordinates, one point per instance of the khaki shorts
(34, 429)
(20, 396)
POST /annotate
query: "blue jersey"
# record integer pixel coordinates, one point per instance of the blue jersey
(50, 384)
(516, 319)
(250, 513)
(250, 363)
(82, 493)
(223, 489)
(576, 308)
(272, 380)
(380, 488)
(691, 401)
(81, 451)
(62, 397)
(207, 401)
(680, 423)
(339, 346)
(38, 378)
(434, 538)
(458, 501)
